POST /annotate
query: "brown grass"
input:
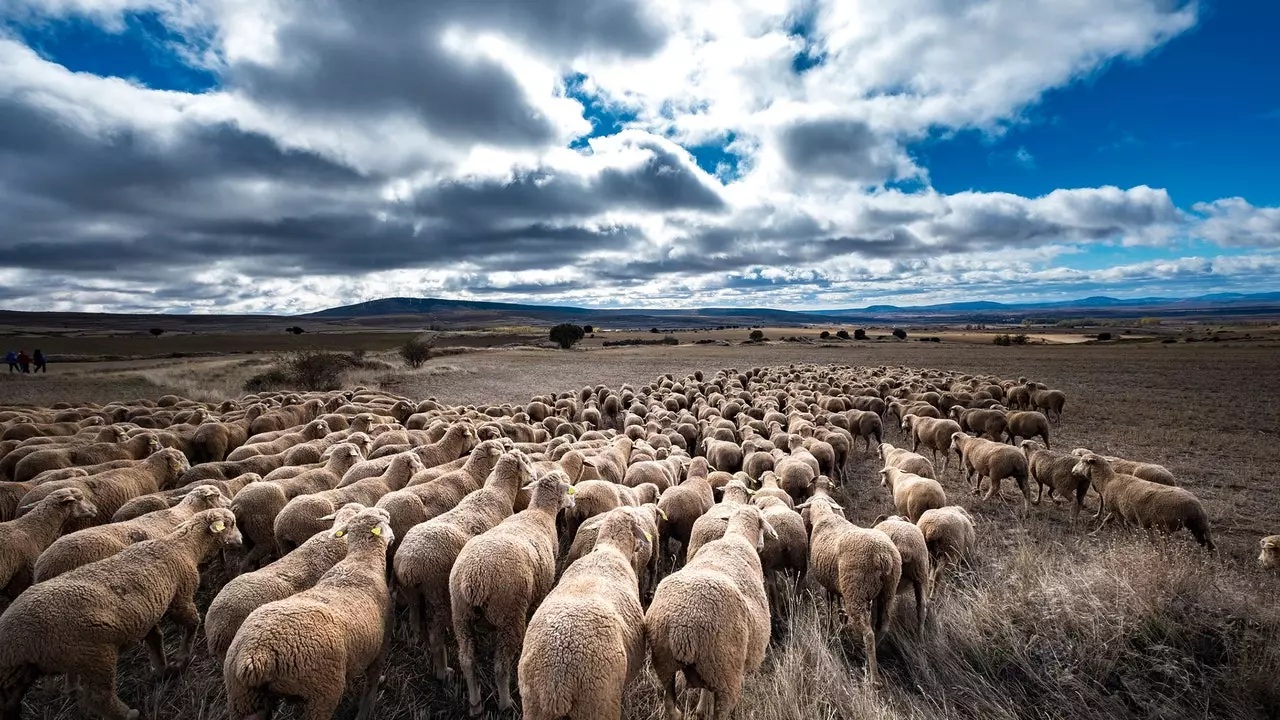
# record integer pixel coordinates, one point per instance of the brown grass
(1052, 623)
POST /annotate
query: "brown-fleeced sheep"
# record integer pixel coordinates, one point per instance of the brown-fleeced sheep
(1150, 506)
(1145, 470)
(309, 646)
(1269, 554)
(1055, 471)
(77, 623)
(1050, 401)
(23, 540)
(949, 535)
(1027, 424)
(111, 489)
(501, 575)
(418, 503)
(992, 460)
(933, 433)
(40, 461)
(710, 619)
(987, 423)
(646, 560)
(907, 461)
(683, 504)
(912, 494)
(585, 641)
(153, 502)
(917, 568)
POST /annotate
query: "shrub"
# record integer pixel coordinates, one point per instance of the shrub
(757, 335)
(900, 333)
(294, 330)
(316, 370)
(274, 378)
(588, 329)
(417, 351)
(825, 335)
(653, 330)
(1168, 341)
(1019, 339)
(156, 332)
(1002, 340)
(1104, 336)
(566, 334)
(858, 334)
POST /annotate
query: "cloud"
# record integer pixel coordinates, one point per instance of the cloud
(1233, 222)
(844, 148)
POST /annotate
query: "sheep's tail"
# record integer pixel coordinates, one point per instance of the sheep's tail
(257, 512)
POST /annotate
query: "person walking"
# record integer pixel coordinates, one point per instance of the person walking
(24, 361)
(12, 360)
(39, 362)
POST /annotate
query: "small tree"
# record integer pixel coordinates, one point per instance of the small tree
(588, 329)
(1104, 336)
(858, 334)
(825, 335)
(757, 335)
(566, 334)
(653, 330)
(900, 333)
(295, 330)
(156, 332)
(416, 351)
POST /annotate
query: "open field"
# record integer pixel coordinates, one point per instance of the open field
(1052, 623)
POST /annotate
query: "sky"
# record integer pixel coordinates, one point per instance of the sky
(284, 156)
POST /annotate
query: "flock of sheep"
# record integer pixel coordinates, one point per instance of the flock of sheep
(533, 532)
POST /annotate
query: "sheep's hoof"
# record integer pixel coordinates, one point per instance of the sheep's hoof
(475, 710)
(132, 715)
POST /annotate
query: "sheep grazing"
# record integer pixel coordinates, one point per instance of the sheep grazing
(1269, 557)
(917, 568)
(994, 461)
(906, 461)
(862, 566)
(283, 578)
(585, 642)
(933, 433)
(23, 540)
(309, 646)
(912, 494)
(710, 619)
(1150, 506)
(76, 623)
(96, 543)
(427, 553)
(949, 535)
(1150, 472)
(501, 575)
(1054, 471)
(1027, 424)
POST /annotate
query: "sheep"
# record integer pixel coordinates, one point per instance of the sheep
(788, 554)
(1150, 472)
(912, 494)
(611, 462)
(986, 423)
(419, 503)
(77, 623)
(861, 565)
(683, 504)
(1051, 401)
(769, 488)
(710, 526)
(427, 552)
(906, 461)
(152, 502)
(596, 497)
(993, 460)
(40, 461)
(933, 433)
(11, 494)
(585, 642)
(283, 578)
(916, 565)
(309, 646)
(645, 561)
(1054, 470)
(456, 442)
(111, 489)
(96, 543)
(710, 619)
(1027, 424)
(501, 575)
(722, 455)
(949, 535)
(1148, 505)
(795, 475)
(23, 540)
(865, 425)
(1269, 557)
(313, 430)
(303, 516)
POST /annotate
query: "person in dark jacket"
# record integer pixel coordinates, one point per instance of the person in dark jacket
(24, 361)
(12, 360)
(40, 362)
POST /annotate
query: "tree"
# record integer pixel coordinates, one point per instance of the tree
(295, 330)
(900, 333)
(1104, 336)
(653, 330)
(826, 335)
(156, 332)
(588, 329)
(566, 334)
(416, 351)
(757, 335)
(858, 334)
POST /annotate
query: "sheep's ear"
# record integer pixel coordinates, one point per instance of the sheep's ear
(530, 486)
(571, 491)
(663, 513)
(217, 527)
(804, 505)
(328, 518)
(768, 529)
(879, 519)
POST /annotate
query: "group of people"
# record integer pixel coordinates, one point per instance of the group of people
(22, 362)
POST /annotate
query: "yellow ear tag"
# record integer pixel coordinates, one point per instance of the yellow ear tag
(339, 533)
(572, 490)
(648, 538)
(663, 513)
(377, 530)
(219, 526)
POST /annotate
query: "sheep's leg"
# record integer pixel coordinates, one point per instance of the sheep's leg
(993, 488)
(706, 704)
(467, 659)
(254, 556)
(922, 608)
(372, 676)
(322, 707)
(669, 695)
(155, 650)
(17, 681)
(98, 672)
(509, 642)
(438, 649)
(1078, 504)
(862, 621)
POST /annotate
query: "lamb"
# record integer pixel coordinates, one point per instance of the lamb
(96, 543)
(1148, 505)
(427, 552)
(501, 575)
(861, 565)
(311, 645)
(303, 516)
(710, 619)
(933, 433)
(288, 576)
(1269, 557)
(585, 642)
(916, 566)
(419, 503)
(949, 535)
(1150, 472)
(995, 461)
(111, 489)
(1054, 470)
(906, 461)
(40, 461)
(912, 494)
(1027, 424)
(24, 539)
(76, 623)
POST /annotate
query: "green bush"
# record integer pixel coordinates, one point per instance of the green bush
(858, 334)
(566, 334)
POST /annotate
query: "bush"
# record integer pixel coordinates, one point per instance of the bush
(417, 351)
(156, 332)
(275, 378)
(566, 334)
(305, 370)
(858, 334)
(1104, 336)
(294, 330)
(1168, 341)
(900, 333)
(757, 335)
(653, 330)
(825, 335)
(588, 329)
(1002, 340)
(1019, 339)
(666, 340)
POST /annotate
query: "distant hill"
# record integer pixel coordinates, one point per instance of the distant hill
(466, 312)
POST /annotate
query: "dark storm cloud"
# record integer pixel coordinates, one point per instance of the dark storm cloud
(843, 148)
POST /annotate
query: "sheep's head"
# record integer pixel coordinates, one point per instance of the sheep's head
(882, 449)
(885, 476)
(221, 524)
(907, 422)
(1088, 465)
(553, 488)
(153, 443)
(1029, 447)
(175, 462)
(1270, 555)
(342, 517)
(957, 442)
(73, 501)
(208, 496)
